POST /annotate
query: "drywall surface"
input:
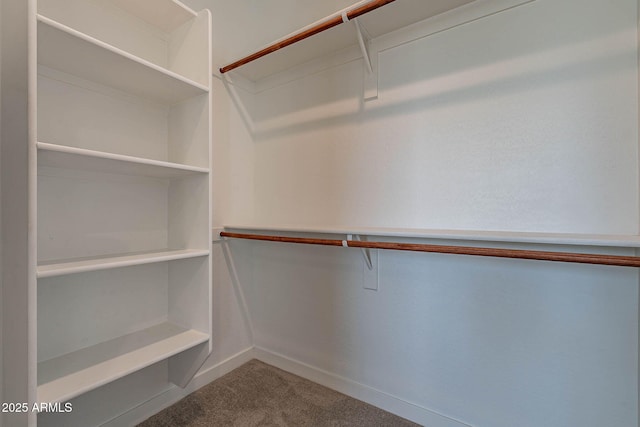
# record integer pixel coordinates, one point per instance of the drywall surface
(487, 342)
(13, 138)
(525, 120)
(1, 277)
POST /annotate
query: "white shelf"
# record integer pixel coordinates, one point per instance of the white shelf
(63, 267)
(164, 14)
(622, 241)
(381, 21)
(67, 50)
(60, 156)
(70, 375)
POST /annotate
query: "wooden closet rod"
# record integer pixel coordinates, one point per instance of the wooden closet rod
(323, 26)
(599, 259)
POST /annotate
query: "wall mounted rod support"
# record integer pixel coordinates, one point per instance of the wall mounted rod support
(366, 254)
(323, 26)
(598, 259)
(363, 46)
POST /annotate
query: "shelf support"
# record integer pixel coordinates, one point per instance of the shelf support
(237, 101)
(370, 62)
(362, 41)
(365, 251)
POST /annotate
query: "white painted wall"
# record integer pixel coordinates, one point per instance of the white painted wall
(534, 112)
(1, 276)
(13, 139)
(487, 342)
(523, 121)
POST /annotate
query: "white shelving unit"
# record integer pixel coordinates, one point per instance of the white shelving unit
(120, 155)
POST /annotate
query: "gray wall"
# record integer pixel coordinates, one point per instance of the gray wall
(14, 206)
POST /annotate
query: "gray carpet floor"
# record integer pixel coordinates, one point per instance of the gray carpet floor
(257, 394)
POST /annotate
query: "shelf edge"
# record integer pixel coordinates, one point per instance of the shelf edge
(53, 270)
(46, 146)
(185, 340)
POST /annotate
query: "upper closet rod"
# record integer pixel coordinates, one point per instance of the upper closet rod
(599, 259)
(323, 26)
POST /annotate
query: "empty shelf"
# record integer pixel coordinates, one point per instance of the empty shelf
(61, 156)
(164, 14)
(60, 268)
(67, 50)
(73, 374)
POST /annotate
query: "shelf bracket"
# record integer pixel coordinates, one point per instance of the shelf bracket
(363, 41)
(365, 251)
(370, 61)
(237, 101)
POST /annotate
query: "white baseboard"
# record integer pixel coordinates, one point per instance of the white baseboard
(389, 403)
(173, 393)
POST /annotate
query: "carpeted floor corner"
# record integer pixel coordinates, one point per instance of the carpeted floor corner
(257, 394)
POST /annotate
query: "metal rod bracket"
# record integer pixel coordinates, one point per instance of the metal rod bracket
(366, 253)
(362, 41)
(370, 58)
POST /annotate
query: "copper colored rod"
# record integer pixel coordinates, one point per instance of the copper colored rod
(599, 259)
(323, 26)
(325, 242)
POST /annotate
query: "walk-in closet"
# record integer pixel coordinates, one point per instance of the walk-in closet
(296, 212)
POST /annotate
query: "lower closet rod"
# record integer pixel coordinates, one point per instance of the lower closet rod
(599, 259)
